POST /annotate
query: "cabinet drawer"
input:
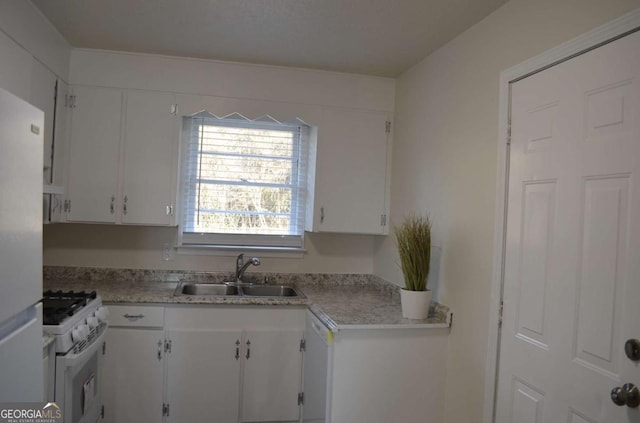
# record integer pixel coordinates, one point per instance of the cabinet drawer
(136, 316)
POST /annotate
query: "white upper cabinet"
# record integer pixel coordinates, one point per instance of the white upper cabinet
(94, 154)
(150, 159)
(123, 157)
(350, 188)
(125, 146)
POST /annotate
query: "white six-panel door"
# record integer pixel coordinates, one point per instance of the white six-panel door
(572, 263)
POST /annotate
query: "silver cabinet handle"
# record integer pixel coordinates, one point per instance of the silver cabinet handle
(133, 317)
(321, 215)
(160, 350)
(113, 204)
(237, 349)
(248, 349)
(124, 206)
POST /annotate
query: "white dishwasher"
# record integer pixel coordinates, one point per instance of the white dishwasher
(318, 371)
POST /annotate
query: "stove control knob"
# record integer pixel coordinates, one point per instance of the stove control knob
(92, 322)
(84, 331)
(76, 335)
(102, 313)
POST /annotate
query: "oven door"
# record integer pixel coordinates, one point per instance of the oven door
(78, 375)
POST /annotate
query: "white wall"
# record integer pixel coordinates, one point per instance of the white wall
(25, 24)
(26, 36)
(445, 158)
(227, 79)
(277, 89)
(141, 248)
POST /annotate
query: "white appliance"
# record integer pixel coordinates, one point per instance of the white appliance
(318, 368)
(79, 323)
(21, 151)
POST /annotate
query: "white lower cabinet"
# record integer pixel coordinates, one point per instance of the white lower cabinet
(234, 363)
(272, 375)
(132, 383)
(223, 364)
(374, 375)
(203, 376)
(133, 363)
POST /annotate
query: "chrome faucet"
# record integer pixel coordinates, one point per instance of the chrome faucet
(241, 266)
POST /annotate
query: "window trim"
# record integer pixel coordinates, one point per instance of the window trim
(227, 242)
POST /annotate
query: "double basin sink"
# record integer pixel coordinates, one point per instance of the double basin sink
(239, 290)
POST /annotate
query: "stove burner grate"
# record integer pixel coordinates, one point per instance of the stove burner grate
(59, 305)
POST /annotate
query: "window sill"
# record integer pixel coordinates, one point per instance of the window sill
(234, 250)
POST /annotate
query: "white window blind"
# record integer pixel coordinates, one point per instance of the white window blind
(243, 181)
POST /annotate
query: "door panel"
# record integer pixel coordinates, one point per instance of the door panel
(272, 376)
(133, 376)
(203, 376)
(351, 168)
(150, 158)
(572, 258)
(94, 154)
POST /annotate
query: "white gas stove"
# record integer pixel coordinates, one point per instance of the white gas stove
(79, 321)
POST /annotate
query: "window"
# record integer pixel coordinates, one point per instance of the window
(243, 181)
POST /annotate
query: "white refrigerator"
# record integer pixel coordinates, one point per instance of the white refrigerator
(21, 158)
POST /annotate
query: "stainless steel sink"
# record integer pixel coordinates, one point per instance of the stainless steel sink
(206, 289)
(269, 291)
(240, 290)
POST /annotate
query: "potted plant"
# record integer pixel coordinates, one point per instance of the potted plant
(413, 238)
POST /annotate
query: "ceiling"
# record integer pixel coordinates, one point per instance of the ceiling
(373, 37)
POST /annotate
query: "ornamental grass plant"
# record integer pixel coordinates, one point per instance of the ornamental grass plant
(413, 238)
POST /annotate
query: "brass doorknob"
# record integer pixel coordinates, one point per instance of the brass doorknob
(628, 395)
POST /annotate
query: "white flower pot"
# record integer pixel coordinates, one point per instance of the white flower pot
(415, 304)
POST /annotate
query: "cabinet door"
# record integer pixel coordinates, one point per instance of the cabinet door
(43, 96)
(150, 159)
(272, 376)
(203, 376)
(94, 153)
(133, 375)
(60, 152)
(351, 181)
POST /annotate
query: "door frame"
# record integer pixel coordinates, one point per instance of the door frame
(593, 39)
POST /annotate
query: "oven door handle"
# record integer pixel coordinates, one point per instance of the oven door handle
(71, 360)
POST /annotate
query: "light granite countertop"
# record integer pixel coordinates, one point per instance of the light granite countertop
(340, 301)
